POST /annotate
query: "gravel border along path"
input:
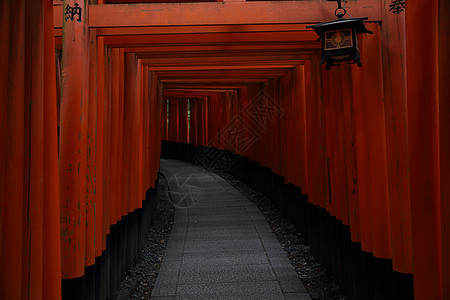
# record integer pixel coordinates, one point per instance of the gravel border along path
(139, 282)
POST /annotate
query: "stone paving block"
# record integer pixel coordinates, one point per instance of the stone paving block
(178, 233)
(193, 229)
(175, 247)
(263, 229)
(227, 273)
(235, 216)
(275, 252)
(168, 273)
(215, 211)
(281, 263)
(270, 243)
(257, 217)
(222, 245)
(203, 204)
(223, 258)
(222, 234)
(240, 290)
(292, 286)
(179, 228)
(164, 290)
(297, 296)
(213, 198)
(172, 256)
(250, 235)
(221, 223)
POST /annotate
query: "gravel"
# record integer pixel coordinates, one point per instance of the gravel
(139, 282)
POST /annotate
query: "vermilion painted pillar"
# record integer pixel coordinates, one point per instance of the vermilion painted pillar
(32, 254)
(344, 146)
(243, 100)
(91, 180)
(206, 117)
(131, 132)
(128, 134)
(173, 120)
(279, 125)
(289, 127)
(211, 114)
(350, 158)
(142, 137)
(329, 134)
(58, 85)
(351, 215)
(164, 126)
(300, 78)
(192, 129)
(51, 266)
(364, 205)
(100, 233)
(107, 166)
(316, 137)
(121, 211)
(183, 120)
(114, 196)
(158, 111)
(200, 124)
(393, 46)
(121, 173)
(423, 121)
(73, 145)
(349, 149)
(170, 125)
(372, 160)
(153, 90)
(444, 133)
(137, 137)
(4, 56)
(196, 121)
(144, 131)
(12, 168)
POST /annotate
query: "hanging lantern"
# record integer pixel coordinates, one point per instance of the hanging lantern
(340, 38)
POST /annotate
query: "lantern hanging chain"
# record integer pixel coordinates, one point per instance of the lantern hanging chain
(345, 10)
(340, 15)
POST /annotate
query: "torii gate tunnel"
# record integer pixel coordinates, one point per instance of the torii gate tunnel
(357, 158)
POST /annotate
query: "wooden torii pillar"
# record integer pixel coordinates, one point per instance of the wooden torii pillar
(428, 119)
(73, 144)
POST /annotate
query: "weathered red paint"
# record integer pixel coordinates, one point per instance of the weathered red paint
(51, 270)
(73, 144)
(393, 42)
(284, 12)
(423, 128)
(444, 141)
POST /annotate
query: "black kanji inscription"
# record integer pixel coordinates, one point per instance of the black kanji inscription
(70, 12)
(397, 6)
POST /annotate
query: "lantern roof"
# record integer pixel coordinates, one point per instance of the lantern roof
(357, 23)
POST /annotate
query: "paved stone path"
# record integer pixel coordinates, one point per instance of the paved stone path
(221, 246)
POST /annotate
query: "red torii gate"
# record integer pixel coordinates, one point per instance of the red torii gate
(402, 121)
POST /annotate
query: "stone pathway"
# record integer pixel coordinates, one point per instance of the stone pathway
(221, 246)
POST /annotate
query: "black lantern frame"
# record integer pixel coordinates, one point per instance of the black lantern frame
(340, 39)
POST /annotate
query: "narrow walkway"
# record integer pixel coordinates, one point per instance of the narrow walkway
(221, 246)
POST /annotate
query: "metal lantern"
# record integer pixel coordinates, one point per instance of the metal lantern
(340, 38)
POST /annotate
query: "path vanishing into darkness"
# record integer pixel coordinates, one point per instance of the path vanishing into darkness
(221, 246)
